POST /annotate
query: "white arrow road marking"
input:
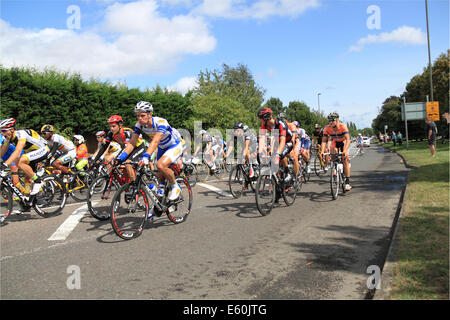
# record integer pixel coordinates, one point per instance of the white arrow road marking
(212, 188)
(69, 224)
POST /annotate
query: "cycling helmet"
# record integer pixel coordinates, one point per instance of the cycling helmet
(79, 137)
(333, 116)
(115, 119)
(282, 116)
(100, 133)
(238, 125)
(7, 123)
(265, 113)
(202, 132)
(316, 126)
(47, 128)
(296, 123)
(143, 106)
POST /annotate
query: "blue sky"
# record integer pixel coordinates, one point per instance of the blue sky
(294, 48)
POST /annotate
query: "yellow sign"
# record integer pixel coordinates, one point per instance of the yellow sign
(433, 110)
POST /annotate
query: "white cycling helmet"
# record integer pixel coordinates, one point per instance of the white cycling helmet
(202, 132)
(143, 106)
(79, 137)
(7, 123)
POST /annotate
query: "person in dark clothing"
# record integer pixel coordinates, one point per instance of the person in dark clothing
(431, 135)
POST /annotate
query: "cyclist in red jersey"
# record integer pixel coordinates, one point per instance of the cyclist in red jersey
(286, 136)
(339, 135)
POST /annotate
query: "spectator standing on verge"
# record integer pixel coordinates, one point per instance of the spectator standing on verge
(399, 138)
(431, 135)
(394, 138)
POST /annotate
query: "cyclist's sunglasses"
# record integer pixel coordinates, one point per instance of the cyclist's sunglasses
(5, 130)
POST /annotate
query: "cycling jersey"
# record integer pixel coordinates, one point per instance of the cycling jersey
(65, 145)
(159, 125)
(10, 149)
(337, 134)
(122, 137)
(318, 135)
(113, 146)
(33, 141)
(82, 151)
(283, 128)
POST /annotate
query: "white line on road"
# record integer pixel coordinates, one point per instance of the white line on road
(69, 224)
(212, 188)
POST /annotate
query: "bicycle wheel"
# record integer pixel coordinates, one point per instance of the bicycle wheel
(80, 186)
(179, 209)
(129, 211)
(265, 194)
(317, 166)
(220, 171)
(202, 172)
(51, 198)
(6, 204)
(290, 188)
(99, 198)
(236, 181)
(342, 180)
(334, 182)
(190, 173)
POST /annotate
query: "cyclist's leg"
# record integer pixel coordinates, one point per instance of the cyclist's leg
(27, 163)
(164, 159)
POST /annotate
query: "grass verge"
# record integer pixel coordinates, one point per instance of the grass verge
(422, 267)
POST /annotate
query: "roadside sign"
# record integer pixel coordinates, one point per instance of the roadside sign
(414, 111)
(433, 110)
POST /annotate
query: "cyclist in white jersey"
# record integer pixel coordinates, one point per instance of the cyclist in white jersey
(57, 142)
(164, 139)
(34, 148)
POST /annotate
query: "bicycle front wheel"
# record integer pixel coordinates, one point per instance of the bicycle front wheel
(80, 186)
(99, 198)
(179, 209)
(334, 182)
(129, 211)
(317, 166)
(51, 198)
(265, 194)
(236, 181)
(6, 204)
(290, 188)
(202, 172)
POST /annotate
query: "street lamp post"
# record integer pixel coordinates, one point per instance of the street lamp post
(318, 101)
(429, 55)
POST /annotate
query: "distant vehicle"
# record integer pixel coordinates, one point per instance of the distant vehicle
(366, 141)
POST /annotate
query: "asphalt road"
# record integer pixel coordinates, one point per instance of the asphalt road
(316, 249)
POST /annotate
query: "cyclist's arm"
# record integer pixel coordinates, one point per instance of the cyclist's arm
(282, 144)
(3, 149)
(16, 153)
(101, 151)
(347, 142)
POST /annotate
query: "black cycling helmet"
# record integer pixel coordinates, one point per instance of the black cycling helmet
(238, 125)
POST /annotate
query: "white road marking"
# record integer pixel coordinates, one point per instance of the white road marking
(69, 224)
(217, 190)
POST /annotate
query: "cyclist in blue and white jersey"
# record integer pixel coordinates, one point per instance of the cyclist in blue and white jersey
(164, 139)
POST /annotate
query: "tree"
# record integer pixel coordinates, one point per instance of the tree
(276, 105)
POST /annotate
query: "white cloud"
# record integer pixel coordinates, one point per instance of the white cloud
(183, 85)
(402, 35)
(260, 9)
(143, 42)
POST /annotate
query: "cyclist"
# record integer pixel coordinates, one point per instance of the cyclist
(249, 144)
(112, 151)
(122, 135)
(14, 168)
(213, 147)
(58, 144)
(286, 136)
(82, 152)
(339, 135)
(34, 149)
(164, 139)
(359, 141)
(304, 144)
